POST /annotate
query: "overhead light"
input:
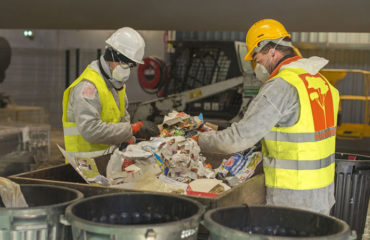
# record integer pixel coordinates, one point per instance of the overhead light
(28, 34)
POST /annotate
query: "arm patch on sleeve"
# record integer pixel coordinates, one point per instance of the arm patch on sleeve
(88, 90)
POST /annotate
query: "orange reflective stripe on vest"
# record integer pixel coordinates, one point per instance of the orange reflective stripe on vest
(321, 101)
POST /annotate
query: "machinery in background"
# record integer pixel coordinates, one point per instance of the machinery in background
(153, 75)
(204, 77)
(5, 56)
(351, 126)
(24, 145)
(353, 130)
(211, 77)
(24, 132)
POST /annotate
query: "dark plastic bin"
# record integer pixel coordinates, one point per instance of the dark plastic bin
(273, 223)
(135, 216)
(352, 190)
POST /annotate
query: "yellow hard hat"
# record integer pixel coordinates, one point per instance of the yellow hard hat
(262, 30)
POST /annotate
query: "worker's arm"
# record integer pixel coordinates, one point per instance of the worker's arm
(127, 117)
(276, 103)
(86, 108)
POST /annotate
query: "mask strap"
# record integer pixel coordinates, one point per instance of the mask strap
(273, 50)
(120, 63)
(102, 70)
(111, 52)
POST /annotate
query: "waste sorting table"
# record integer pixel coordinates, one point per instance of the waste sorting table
(251, 191)
(352, 188)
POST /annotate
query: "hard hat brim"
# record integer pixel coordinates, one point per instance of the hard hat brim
(248, 57)
(109, 44)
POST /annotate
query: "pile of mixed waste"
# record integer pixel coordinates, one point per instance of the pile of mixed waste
(172, 162)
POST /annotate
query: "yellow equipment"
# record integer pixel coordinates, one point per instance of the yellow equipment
(352, 130)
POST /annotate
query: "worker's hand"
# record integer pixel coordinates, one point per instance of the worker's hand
(149, 129)
(136, 127)
(195, 137)
(123, 145)
(131, 140)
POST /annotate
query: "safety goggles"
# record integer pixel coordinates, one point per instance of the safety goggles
(123, 61)
(278, 41)
(127, 65)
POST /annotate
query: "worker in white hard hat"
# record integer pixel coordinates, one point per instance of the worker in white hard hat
(295, 116)
(95, 116)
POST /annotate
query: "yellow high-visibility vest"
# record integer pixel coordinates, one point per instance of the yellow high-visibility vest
(75, 144)
(302, 156)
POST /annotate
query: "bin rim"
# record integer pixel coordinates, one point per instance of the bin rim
(71, 217)
(41, 209)
(216, 227)
(353, 154)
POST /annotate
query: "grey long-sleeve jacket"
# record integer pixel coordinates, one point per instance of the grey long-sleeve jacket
(84, 109)
(277, 104)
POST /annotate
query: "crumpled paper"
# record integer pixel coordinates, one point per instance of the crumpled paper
(180, 124)
(11, 194)
(177, 158)
(86, 168)
(247, 171)
(135, 151)
(183, 159)
(149, 182)
(114, 165)
(141, 162)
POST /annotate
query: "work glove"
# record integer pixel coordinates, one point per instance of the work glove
(147, 130)
(195, 137)
(136, 127)
(123, 145)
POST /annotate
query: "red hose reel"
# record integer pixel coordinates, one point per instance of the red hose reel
(152, 74)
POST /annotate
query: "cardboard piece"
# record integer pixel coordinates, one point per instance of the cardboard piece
(86, 168)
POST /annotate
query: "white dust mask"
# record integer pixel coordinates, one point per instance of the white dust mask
(261, 72)
(120, 73)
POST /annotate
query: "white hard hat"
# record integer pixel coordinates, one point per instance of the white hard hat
(128, 42)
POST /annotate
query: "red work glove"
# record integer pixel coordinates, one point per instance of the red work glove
(131, 140)
(195, 137)
(126, 143)
(136, 127)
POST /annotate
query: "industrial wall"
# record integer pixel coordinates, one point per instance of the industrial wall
(343, 50)
(38, 70)
(327, 38)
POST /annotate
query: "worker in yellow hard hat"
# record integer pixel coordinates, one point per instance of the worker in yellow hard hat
(295, 116)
